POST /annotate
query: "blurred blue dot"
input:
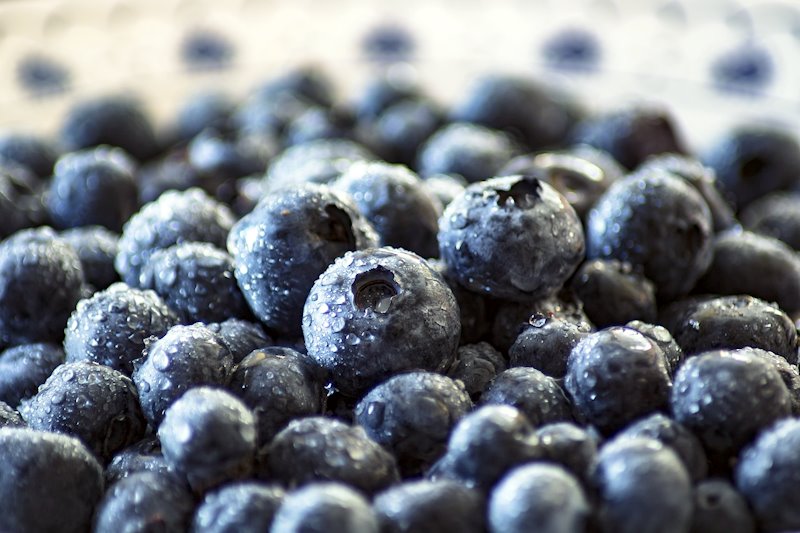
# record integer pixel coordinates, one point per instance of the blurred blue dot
(745, 68)
(572, 49)
(388, 43)
(40, 75)
(206, 49)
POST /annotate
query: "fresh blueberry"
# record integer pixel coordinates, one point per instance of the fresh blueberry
(719, 508)
(412, 415)
(445, 187)
(186, 357)
(245, 507)
(402, 128)
(305, 82)
(284, 245)
(428, 506)
(377, 313)
(171, 172)
(322, 449)
(572, 49)
(382, 92)
(663, 339)
(30, 151)
(143, 456)
(48, 482)
(324, 507)
(569, 446)
(208, 109)
(788, 372)
(542, 494)
(206, 49)
(241, 337)
(545, 343)
(175, 217)
(268, 115)
(642, 486)
(392, 198)
(316, 123)
(112, 326)
(23, 368)
(659, 224)
(475, 366)
(279, 385)
(746, 68)
(97, 249)
(472, 307)
(615, 376)
(41, 75)
(775, 215)
(472, 151)
(40, 282)
(539, 397)
(514, 238)
(388, 43)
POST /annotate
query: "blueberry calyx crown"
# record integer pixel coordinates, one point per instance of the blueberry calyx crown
(374, 289)
(523, 194)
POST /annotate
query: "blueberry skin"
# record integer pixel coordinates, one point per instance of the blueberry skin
(569, 446)
(402, 128)
(430, 506)
(613, 294)
(541, 494)
(316, 123)
(382, 92)
(93, 187)
(674, 435)
(112, 120)
(175, 217)
(727, 397)
(91, 402)
(663, 339)
(40, 283)
(350, 456)
(514, 238)
(112, 326)
(776, 215)
(475, 366)
(545, 344)
(486, 444)
(539, 397)
(145, 501)
(473, 308)
(196, 280)
(731, 322)
(48, 482)
(323, 507)
(788, 372)
(23, 368)
(279, 385)
(171, 172)
(412, 415)
(752, 161)
(202, 110)
(748, 263)
(142, 456)
(631, 135)
(379, 312)
(209, 436)
(472, 151)
(241, 337)
(306, 82)
(392, 198)
(642, 486)
(186, 357)
(30, 151)
(9, 417)
(659, 224)
(615, 376)
(719, 508)
(767, 473)
(97, 248)
(245, 507)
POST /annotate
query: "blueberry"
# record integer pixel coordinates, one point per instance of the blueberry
(539, 397)
(663, 339)
(392, 198)
(445, 187)
(316, 123)
(475, 366)
(142, 456)
(569, 446)
(747, 68)
(388, 43)
(428, 506)
(171, 172)
(287, 242)
(23, 368)
(97, 249)
(545, 344)
(412, 415)
(20, 199)
(572, 49)
(279, 385)
(613, 294)
(657, 223)
(727, 397)
(775, 215)
(174, 218)
(322, 449)
(748, 263)
(240, 337)
(244, 507)
(615, 376)
(30, 151)
(91, 402)
(788, 372)
(206, 49)
(382, 92)
(402, 128)
(537, 115)
(642, 486)
(379, 312)
(485, 445)
(268, 114)
(541, 494)
(631, 135)
(112, 120)
(145, 501)
(472, 307)
(474, 152)
(719, 508)
(752, 161)
(730, 322)
(514, 238)
(676, 436)
(93, 187)
(208, 109)
(767, 473)
(186, 357)
(209, 436)
(112, 326)
(40, 283)
(305, 82)
(42, 76)
(322, 507)
(48, 482)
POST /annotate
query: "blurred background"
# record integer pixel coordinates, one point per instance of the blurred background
(713, 62)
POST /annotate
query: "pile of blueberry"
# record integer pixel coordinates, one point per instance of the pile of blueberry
(293, 314)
